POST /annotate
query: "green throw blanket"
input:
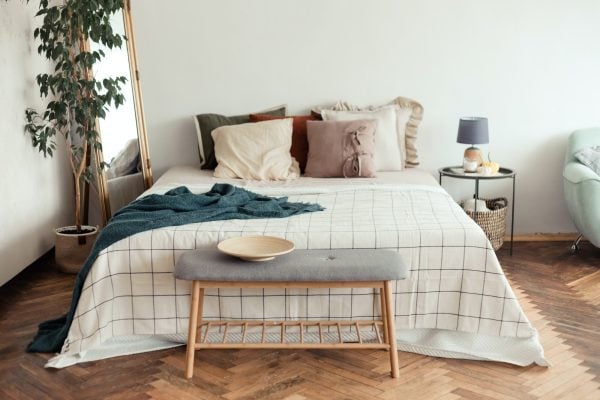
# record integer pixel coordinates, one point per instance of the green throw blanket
(178, 206)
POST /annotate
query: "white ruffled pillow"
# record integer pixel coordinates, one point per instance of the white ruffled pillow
(390, 151)
(259, 151)
(409, 106)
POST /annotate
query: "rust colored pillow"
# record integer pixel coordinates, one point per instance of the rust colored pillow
(341, 148)
(299, 148)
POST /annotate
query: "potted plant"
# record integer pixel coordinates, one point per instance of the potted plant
(76, 100)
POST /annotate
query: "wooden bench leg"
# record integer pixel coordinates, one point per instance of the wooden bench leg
(391, 328)
(195, 320)
(383, 312)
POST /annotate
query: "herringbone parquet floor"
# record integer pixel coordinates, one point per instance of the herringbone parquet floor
(560, 294)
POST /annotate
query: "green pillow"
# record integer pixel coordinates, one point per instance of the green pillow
(206, 123)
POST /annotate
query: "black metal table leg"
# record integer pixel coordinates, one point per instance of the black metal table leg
(476, 192)
(512, 218)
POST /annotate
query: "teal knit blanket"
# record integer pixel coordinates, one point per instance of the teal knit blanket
(178, 206)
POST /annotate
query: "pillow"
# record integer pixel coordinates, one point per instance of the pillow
(206, 123)
(410, 130)
(259, 150)
(341, 148)
(389, 139)
(126, 161)
(590, 157)
(299, 148)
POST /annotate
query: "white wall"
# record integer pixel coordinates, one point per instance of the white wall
(35, 193)
(532, 67)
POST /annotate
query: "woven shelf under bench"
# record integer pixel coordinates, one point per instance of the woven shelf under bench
(365, 334)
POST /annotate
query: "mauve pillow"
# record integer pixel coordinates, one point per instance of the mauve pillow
(341, 148)
(299, 148)
(389, 142)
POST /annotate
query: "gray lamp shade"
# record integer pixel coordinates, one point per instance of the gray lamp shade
(473, 130)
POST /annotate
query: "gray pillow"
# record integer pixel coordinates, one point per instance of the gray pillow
(206, 123)
(126, 162)
(590, 157)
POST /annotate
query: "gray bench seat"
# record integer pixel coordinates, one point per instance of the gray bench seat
(300, 265)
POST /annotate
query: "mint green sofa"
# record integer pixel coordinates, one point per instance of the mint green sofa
(582, 187)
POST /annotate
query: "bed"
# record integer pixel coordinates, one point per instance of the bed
(455, 303)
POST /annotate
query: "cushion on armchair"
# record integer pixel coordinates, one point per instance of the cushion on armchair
(590, 157)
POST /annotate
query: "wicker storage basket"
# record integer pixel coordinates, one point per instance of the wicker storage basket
(492, 222)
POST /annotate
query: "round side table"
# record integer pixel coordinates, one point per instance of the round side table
(458, 172)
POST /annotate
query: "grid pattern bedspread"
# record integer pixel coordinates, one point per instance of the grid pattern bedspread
(455, 280)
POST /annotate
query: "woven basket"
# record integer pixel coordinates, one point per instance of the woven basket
(492, 222)
(71, 250)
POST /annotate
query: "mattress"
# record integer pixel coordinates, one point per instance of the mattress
(456, 301)
(191, 176)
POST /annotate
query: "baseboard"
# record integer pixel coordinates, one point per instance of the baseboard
(544, 237)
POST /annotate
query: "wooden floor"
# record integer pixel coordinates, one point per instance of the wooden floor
(559, 292)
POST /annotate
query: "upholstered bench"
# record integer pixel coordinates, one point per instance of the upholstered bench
(351, 268)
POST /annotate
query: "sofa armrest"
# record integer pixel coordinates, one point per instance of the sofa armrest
(581, 139)
(576, 172)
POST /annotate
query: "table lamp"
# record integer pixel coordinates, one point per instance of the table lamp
(473, 130)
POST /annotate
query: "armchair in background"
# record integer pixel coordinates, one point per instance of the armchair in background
(582, 187)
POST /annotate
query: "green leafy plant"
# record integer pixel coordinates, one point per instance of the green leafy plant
(76, 99)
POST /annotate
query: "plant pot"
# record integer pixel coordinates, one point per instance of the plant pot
(72, 249)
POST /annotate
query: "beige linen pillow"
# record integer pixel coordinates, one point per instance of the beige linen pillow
(389, 137)
(206, 123)
(258, 151)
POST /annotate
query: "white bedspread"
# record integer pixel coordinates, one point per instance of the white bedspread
(455, 303)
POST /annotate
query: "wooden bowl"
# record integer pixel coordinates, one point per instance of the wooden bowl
(256, 248)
